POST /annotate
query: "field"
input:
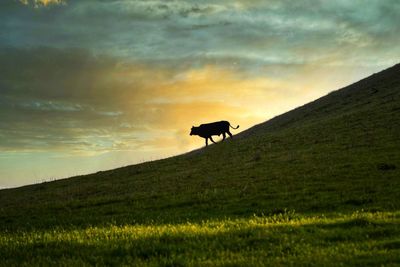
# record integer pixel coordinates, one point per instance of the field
(319, 185)
(361, 238)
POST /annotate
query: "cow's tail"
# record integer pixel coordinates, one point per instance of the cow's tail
(233, 127)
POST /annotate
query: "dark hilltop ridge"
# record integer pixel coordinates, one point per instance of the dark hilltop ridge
(339, 153)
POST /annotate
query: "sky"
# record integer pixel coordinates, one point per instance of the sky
(94, 85)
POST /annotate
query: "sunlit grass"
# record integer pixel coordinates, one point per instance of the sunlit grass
(287, 238)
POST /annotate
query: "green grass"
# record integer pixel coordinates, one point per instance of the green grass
(285, 239)
(319, 185)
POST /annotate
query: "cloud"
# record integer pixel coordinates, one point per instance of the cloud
(71, 99)
(42, 3)
(265, 32)
(160, 64)
(76, 101)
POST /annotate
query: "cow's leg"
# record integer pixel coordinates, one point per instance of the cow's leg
(230, 134)
(206, 141)
(223, 136)
(212, 140)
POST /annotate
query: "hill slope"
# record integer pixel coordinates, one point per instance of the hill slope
(338, 153)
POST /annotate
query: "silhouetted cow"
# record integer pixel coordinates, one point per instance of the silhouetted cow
(215, 128)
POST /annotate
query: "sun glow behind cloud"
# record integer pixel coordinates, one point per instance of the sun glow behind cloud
(94, 104)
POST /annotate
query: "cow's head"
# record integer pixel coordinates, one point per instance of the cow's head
(193, 131)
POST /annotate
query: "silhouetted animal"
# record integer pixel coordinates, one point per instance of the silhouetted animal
(215, 128)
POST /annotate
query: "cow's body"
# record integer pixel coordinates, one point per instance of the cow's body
(215, 128)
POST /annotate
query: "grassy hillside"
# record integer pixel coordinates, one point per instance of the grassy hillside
(317, 185)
